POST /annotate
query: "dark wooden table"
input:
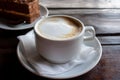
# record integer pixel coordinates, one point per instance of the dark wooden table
(106, 22)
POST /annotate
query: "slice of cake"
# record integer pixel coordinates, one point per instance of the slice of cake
(20, 10)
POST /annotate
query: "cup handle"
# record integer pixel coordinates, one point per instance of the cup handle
(89, 33)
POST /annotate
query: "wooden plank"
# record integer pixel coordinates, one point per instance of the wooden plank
(109, 40)
(81, 3)
(103, 12)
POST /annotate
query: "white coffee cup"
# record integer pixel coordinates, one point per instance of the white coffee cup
(59, 37)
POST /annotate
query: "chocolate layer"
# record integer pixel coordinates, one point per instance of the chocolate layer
(27, 11)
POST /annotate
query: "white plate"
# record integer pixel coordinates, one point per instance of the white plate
(43, 13)
(76, 71)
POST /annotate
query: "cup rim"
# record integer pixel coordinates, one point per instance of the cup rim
(66, 39)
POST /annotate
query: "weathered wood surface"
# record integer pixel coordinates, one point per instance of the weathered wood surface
(81, 3)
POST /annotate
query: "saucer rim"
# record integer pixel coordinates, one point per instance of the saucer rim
(24, 28)
(54, 77)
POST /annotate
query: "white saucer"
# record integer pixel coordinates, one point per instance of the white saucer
(76, 71)
(43, 13)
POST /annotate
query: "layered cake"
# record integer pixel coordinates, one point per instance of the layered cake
(20, 10)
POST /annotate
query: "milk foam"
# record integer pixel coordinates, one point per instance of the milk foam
(57, 28)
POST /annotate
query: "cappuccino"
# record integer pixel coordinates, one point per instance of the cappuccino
(59, 27)
(59, 38)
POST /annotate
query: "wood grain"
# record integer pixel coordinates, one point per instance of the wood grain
(81, 3)
(109, 40)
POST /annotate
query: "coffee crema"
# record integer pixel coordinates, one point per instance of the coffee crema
(59, 27)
